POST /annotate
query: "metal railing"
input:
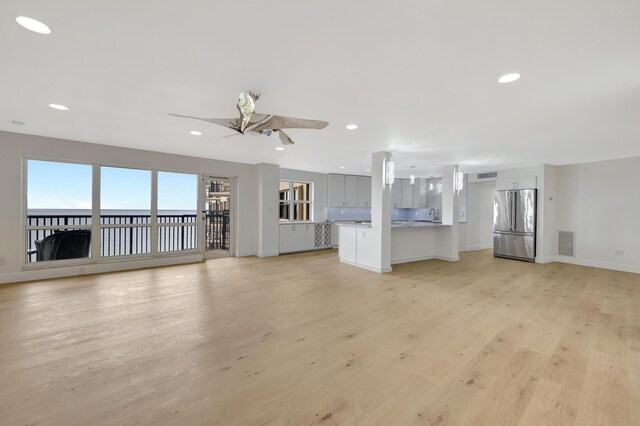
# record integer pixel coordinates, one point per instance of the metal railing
(131, 234)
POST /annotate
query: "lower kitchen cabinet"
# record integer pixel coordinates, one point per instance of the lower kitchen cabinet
(305, 236)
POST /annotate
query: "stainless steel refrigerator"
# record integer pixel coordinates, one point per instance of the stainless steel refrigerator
(514, 224)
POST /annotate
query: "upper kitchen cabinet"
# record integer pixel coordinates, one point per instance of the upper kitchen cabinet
(517, 183)
(396, 194)
(407, 194)
(349, 191)
(363, 197)
(336, 191)
(420, 194)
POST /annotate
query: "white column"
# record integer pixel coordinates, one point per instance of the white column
(381, 211)
(448, 236)
(268, 234)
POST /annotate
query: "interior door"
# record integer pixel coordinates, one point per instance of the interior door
(503, 211)
(216, 216)
(525, 206)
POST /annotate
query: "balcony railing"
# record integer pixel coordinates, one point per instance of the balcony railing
(131, 234)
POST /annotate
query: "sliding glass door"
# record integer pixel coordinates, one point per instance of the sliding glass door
(80, 213)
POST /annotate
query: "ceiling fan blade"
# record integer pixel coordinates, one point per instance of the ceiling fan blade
(286, 140)
(230, 123)
(281, 122)
(230, 136)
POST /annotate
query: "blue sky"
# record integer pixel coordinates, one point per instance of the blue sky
(53, 185)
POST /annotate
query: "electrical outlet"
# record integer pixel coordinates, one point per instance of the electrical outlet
(619, 252)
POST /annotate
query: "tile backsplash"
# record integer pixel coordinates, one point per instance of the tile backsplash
(410, 214)
(348, 213)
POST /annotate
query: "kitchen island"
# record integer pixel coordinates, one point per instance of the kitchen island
(410, 241)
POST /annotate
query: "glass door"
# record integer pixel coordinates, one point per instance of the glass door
(216, 216)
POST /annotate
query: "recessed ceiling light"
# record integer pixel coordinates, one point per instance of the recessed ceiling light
(342, 167)
(368, 170)
(352, 126)
(33, 25)
(58, 107)
(509, 78)
(196, 133)
(279, 148)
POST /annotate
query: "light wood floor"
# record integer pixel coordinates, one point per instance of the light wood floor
(302, 339)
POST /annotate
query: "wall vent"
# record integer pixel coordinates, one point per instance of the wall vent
(566, 243)
(490, 175)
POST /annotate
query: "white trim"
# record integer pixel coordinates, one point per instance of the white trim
(365, 266)
(599, 264)
(95, 268)
(547, 259)
(245, 253)
(269, 253)
(478, 247)
(447, 258)
(411, 259)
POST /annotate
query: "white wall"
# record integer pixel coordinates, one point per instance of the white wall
(477, 233)
(600, 202)
(319, 181)
(14, 147)
(268, 239)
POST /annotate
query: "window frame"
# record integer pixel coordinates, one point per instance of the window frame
(96, 227)
(291, 202)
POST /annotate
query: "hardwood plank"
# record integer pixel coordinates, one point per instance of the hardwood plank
(303, 339)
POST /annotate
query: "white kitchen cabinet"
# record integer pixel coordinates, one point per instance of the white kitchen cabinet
(335, 191)
(310, 236)
(305, 236)
(420, 194)
(293, 238)
(363, 196)
(407, 194)
(396, 194)
(517, 183)
(350, 191)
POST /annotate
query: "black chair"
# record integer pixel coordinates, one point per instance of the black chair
(63, 245)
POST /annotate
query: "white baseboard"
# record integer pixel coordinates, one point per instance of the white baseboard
(599, 264)
(96, 268)
(365, 266)
(269, 253)
(478, 247)
(412, 259)
(421, 258)
(245, 253)
(547, 259)
(447, 258)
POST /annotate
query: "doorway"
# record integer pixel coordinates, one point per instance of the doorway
(216, 217)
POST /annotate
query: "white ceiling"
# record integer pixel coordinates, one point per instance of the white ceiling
(419, 78)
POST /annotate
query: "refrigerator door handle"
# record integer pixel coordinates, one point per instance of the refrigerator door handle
(514, 222)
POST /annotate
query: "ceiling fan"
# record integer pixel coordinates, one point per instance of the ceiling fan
(264, 124)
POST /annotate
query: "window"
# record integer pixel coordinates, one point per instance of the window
(125, 211)
(137, 212)
(59, 201)
(177, 211)
(295, 201)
